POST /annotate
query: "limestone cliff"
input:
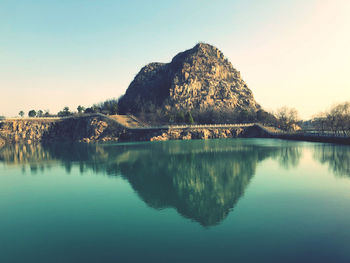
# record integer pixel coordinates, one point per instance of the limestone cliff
(198, 78)
(85, 128)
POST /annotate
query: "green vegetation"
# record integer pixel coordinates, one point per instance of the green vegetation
(47, 114)
(32, 113)
(108, 107)
(39, 113)
(265, 117)
(189, 118)
(65, 112)
(180, 117)
(80, 109)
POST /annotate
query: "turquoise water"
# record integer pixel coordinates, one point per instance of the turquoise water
(241, 200)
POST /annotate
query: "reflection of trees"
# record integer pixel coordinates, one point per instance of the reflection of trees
(336, 156)
(202, 180)
(288, 156)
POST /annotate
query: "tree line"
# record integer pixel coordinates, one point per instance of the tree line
(335, 121)
(108, 107)
(284, 118)
(150, 111)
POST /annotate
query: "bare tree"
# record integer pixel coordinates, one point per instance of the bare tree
(319, 122)
(336, 120)
(340, 116)
(287, 118)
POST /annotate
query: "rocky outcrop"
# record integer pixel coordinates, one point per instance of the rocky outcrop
(24, 130)
(83, 129)
(86, 129)
(187, 133)
(199, 78)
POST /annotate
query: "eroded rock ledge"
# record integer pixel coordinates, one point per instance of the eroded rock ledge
(79, 129)
(190, 133)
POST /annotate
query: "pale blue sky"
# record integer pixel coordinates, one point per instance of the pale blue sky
(65, 53)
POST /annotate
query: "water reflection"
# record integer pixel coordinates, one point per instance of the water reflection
(289, 156)
(203, 185)
(337, 157)
(202, 180)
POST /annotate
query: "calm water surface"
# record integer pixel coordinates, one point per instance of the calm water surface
(242, 200)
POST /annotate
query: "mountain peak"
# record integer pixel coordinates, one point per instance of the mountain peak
(196, 79)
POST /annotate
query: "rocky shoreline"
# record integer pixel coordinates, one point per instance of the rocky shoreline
(100, 128)
(183, 134)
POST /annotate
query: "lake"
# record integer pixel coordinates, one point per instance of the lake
(226, 200)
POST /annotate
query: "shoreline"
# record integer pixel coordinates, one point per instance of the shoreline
(313, 138)
(95, 128)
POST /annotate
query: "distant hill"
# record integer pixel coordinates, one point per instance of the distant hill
(200, 78)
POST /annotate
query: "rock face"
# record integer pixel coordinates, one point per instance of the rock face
(199, 78)
(84, 129)
(193, 133)
(203, 134)
(24, 131)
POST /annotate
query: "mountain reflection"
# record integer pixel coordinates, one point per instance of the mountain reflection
(202, 180)
(202, 184)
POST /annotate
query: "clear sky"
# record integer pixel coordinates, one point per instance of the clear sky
(56, 53)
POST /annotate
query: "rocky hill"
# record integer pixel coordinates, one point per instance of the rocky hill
(199, 78)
